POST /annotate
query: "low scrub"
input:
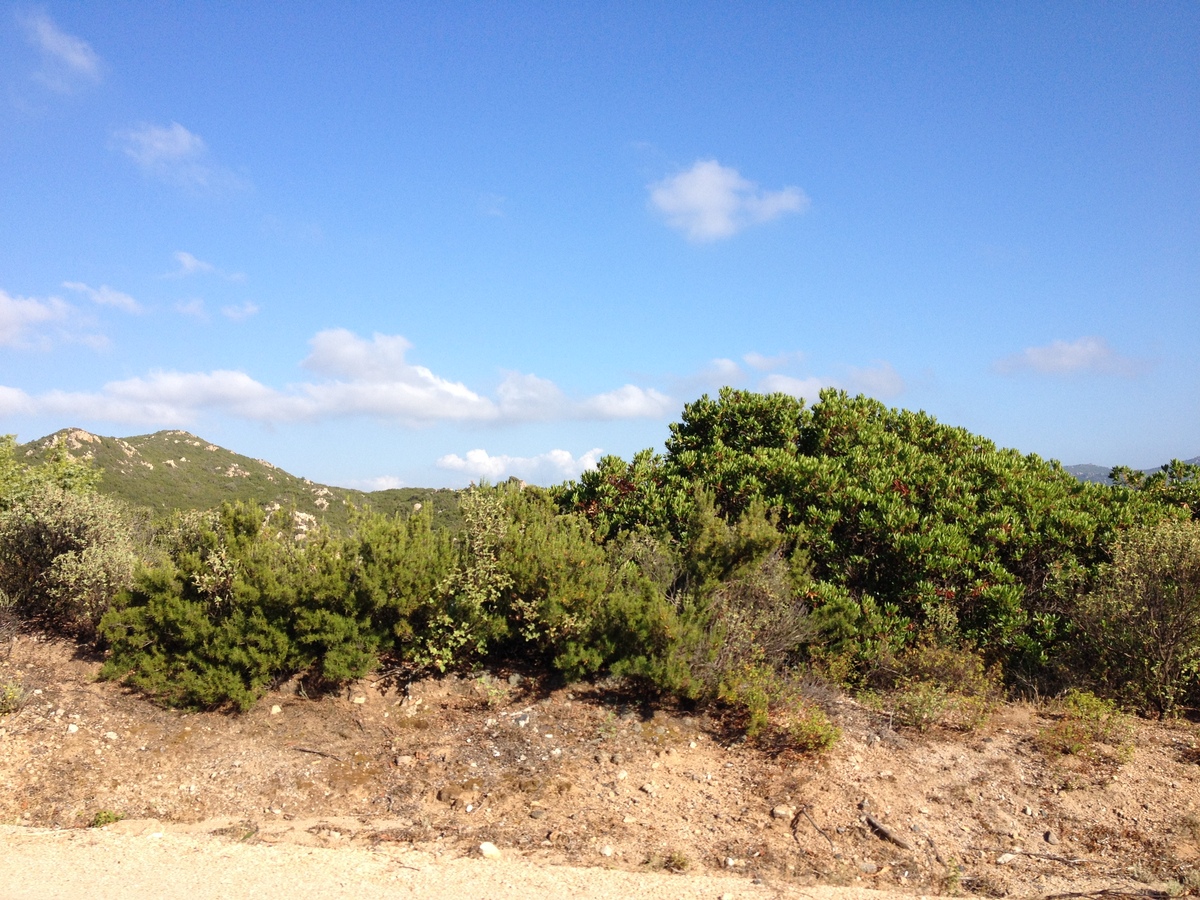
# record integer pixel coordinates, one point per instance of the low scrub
(1084, 723)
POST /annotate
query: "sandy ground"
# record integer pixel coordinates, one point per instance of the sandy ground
(39, 864)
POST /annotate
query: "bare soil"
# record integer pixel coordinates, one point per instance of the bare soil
(585, 776)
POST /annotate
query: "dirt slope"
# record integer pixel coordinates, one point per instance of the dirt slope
(587, 777)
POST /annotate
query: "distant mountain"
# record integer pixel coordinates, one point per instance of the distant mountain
(1099, 474)
(171, 470)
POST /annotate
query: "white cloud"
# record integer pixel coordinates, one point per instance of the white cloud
(805, 388)
(193, 308)
(880, 381)
(361, 377)
(20, 316)
(710, 201)
(105, 296)
(378, 483)
(627, 402)
(527, 397)
(545, 468)
(189, 265)
(767, 363)
(175, 155)
(1083, 356)
(67, 61)
(238, 313)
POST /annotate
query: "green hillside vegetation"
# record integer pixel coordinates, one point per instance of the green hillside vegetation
(173, 470)
(772, 546)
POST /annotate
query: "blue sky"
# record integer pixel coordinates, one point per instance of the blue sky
(421, 244)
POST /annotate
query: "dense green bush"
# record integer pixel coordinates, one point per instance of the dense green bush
(910, 529)
(1141, 620)
(63, 556)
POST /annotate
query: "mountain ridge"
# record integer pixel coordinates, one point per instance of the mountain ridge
(177, 470)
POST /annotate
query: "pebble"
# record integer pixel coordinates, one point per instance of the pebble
(1005, 858)
(514, 679)
(276, 710)
(783, 812)
(72, 728)
(1050, 837)
(488, 850)
(867, 867)
(606, 850)
(622, 775)
(110, 735)
(359, 700)
(647, 788)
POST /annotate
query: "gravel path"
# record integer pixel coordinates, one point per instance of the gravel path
(42, 863)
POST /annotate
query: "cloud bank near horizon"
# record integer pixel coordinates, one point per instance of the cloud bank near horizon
(357, 377)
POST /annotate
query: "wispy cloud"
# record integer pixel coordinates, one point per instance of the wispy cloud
(359, 377)
(20, 317)
(177, 156)
(378, 483)
(764, 363)
(193, 308)
(710, 201)
(67, 61)
(879, 380)
(1083, 356)
(545, 468)
(240, 312)
(187, 265)
(805, 388)
(105, 296)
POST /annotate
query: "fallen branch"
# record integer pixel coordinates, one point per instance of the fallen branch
(317, 753)
(804, 812)
(885, 833)
(1048, 856)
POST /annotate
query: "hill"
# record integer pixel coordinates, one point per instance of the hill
(1099, 474)
(176, 470)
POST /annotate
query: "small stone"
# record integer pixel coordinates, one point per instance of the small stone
(629, 820)
(726, 897)
(647, 788)
(1050, 837)
(276, 710)
(110, 735)
(1005, 858)
(617, 759)
(522, 720)
(603, 757)
(406, 760)
(867, 867)
(622, 775)
(606, 850)
(359, 700)
(536, 813)
(72, 728)
(514, 680)
(783, 812)
(488, 850)
(1028, 810)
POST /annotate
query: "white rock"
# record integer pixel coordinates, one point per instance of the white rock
(110, 735)
(489, 850)
(1005, 858)
(359, 700)
(276, 710)
(606, 850)
(72, 728)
